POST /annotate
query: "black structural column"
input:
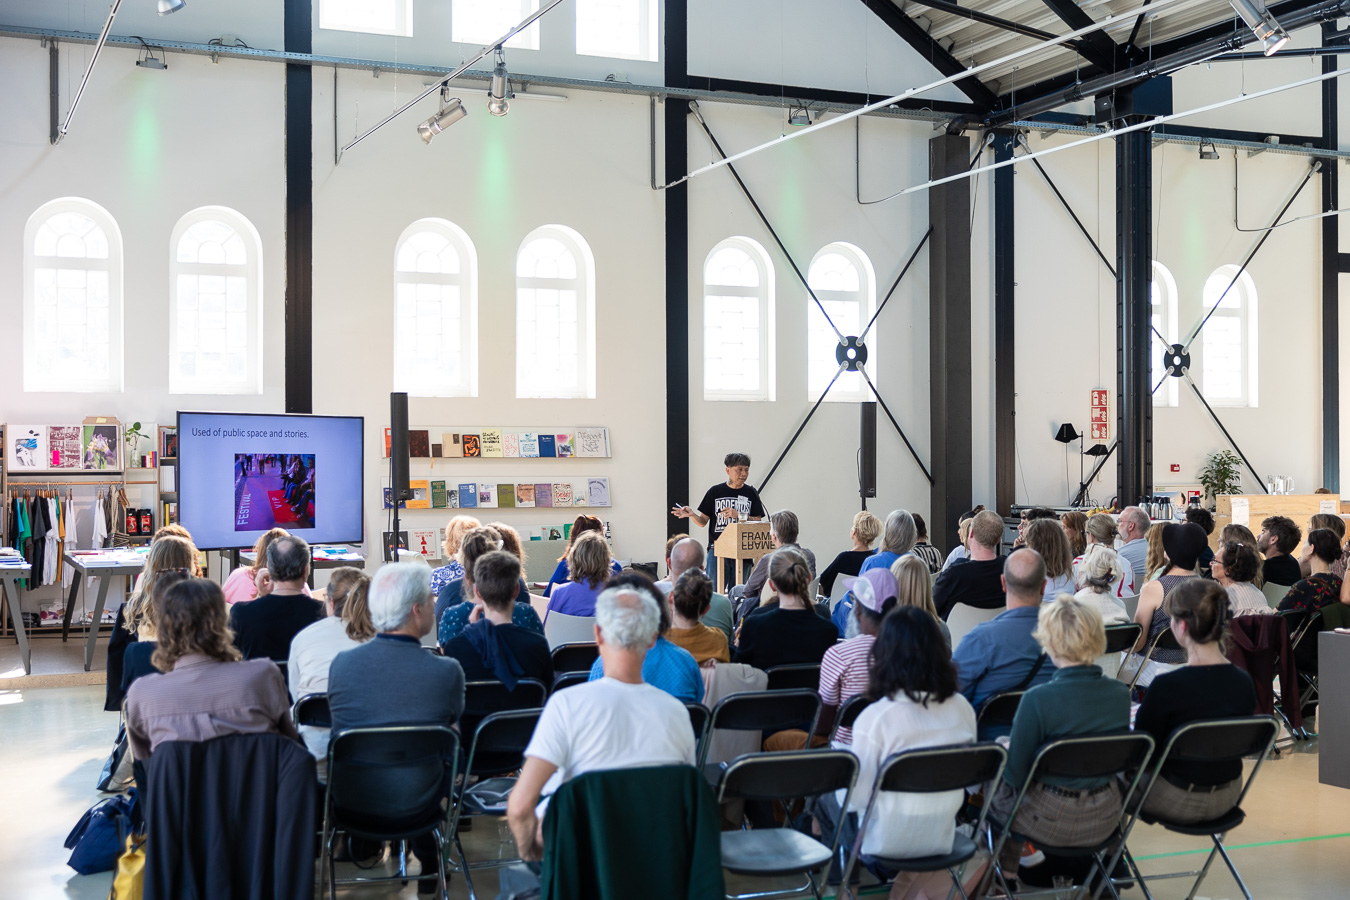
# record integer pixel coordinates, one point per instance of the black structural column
(1005, 371)
(299, 351)
(677, 267)
(1134, 241)
(949, 336)
(1331, 294)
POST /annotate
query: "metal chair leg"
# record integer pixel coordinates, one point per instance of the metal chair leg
(464, 867)
(1138, 875)
(1204, 870)
(1242, 885)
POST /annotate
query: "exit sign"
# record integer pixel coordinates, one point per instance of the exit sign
(1100, 420)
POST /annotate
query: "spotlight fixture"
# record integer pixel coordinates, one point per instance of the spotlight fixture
(452, 110)
(799, 116)
(1208, 150)
(499, 96)
(169, 7)
(1268, 31)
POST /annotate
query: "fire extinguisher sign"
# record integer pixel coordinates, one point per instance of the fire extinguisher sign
(1101, 415)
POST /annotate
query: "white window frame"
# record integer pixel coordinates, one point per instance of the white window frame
(430, 384)
(524, 40)
(584, 286)
(866, 300)
(1245, 314)
(1165, 313)
(765, 295)
(251, 271)
(648, 27)
(34, 378)
(403, 20)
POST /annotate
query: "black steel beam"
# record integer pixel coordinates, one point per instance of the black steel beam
(954, 9)
(299, 328)
(949, 337)
(1005, 302)
(1344, 263)
(1134, 241)
(1082, 229)
(1331, 276)
(676, 120)
(791, 92)
(1095, 47)
(931, 50)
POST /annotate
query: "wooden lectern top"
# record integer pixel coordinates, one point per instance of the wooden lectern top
(741, 541)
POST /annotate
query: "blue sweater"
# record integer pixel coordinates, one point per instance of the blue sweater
(393, 680)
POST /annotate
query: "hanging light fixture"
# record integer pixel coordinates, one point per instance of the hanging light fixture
(169, 7)
(451, 111)
(499, 96)
(1268, 31)
(799, 116)
(1208, 150)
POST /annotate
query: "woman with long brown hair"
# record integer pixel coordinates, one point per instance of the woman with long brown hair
(206, 690)
(1075, 529)
(561, 574)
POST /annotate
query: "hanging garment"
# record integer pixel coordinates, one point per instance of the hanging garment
(60, 538)
(53, 542)
(72, 539)
(38, 527)
(100, 534)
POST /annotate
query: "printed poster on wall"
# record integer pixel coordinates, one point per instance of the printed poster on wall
(28, 445)
(63, 445)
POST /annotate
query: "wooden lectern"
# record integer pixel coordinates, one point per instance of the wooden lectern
(741, 541)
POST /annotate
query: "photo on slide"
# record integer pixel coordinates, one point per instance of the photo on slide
(274, 489)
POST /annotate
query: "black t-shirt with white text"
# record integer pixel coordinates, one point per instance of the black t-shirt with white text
(745, 500)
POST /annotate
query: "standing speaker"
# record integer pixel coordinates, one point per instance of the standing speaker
(398, 446)
(867, 450)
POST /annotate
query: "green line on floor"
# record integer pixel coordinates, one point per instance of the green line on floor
(1320, 837)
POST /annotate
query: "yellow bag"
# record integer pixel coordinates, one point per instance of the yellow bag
(129, 882)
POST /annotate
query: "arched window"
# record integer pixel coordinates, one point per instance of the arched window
(1163, 318)
(555, 315)
(842, 278)
(72, 299)
(436, 311)
(738, 316)
(622, 29)
(215, 318)
(1228, 348)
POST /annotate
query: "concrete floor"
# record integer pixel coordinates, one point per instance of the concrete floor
(1296, 843)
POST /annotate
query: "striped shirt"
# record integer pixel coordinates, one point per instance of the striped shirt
(931, 556)
(843, 673)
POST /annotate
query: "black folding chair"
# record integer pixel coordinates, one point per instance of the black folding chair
(698, 719)
(760, 711)
(848, 713)
(998, 711)
(575, 657)
(1165, 640)
(785, 776)
(1304, 626)
(312, 710)
(498, 748)
(798, 675)
(927, 771)
(483, 698)
(569, 679)
(1099, 757)
(389, 784)
(1120, 638)
(1207, 742)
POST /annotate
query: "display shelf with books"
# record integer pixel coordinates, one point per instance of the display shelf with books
(592, 492)
(578, 442)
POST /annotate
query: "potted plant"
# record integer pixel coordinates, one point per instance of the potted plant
(131, 437)
(1221, 474)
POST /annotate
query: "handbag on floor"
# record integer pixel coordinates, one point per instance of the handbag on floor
(116, 775)
(97, 839)
(129, 882)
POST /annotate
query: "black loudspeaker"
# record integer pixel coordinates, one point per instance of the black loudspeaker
(398, 447)
(867, 451)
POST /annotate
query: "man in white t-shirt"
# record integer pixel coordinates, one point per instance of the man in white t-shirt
(617, 722)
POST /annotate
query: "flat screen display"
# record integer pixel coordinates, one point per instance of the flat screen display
(241, 474)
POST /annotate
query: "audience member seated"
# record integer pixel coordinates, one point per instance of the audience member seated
(931, 556)
(1134, 525)
(897, 539)
(1079, 700)
(1337, 525)
(866, 528)
(665, 584)
(265, 626)
(1074, 524)
(1243, 535)
(1002, 654)
(391, 680)
(666, 666)
(688, 601)
(783, 529)
(917, 706)
(1101, 532)
(1029, 515)
(1321, 587)
(205, 690)
(561, 575)
(347, 625)
(789, 631)
(170, 553)
(914, 587)
(589, 565)
(1234, 567)
(687, 555)
(1278, 539)
(1205, 519)
(139, 657)
(844, 668)
(1207, 687)
(615, 722)
(1182, 542)
(1098, 571)
(492, 647)
(457, 601)
(1047, 538)
(962, 548)
(455, 530)
(1156, 559)
(975, 581)
(242, 584)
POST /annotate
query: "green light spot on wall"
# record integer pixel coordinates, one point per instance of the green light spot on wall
(145, 145)
(495, 198)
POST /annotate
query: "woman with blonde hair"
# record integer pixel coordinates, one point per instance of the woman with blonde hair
(457, 600)
(584, 524)
(589, 564)
(455, 530)
(1098, 569)
(1047, 538)
(1074, 524)
(1101, 532)
(1155, 561)
(914, 587)
(864, 533)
